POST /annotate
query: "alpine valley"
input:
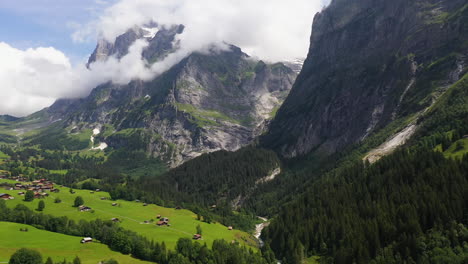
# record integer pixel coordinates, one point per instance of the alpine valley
(359, 154)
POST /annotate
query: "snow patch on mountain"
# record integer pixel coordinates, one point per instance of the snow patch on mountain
(150, 32)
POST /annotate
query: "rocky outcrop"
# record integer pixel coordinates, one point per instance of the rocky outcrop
(369, 63)
(162, 41)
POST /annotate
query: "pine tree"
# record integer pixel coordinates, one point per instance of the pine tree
(76, 260)
(29, 196)
(78, 201)
(41, 205)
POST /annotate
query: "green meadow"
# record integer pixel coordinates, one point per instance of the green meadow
(54, 245)
(133, 216)
(458, 149)
(3, 156)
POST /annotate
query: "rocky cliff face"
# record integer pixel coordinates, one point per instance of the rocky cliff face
(162, 41)
(207, 102)
(370, 62)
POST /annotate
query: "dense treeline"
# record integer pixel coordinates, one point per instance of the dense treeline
(214, 177)
(444, 125)
(450, 114)
(56, 137)
(383, 212)
(9, 139)
(128, 242)
(52, 160)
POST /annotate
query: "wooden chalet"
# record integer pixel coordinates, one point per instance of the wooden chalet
(83, 208)
(5, 196)
(40, 195)
(161, 223)
(197, 236)
(86, 240)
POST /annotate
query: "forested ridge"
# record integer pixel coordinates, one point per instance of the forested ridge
(214, 177)
(381, 212)
(207, 185)
(409, 207)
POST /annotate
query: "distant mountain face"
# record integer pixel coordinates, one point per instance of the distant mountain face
(370, 62)
(207, 102)
(162, 41)
(7, 118)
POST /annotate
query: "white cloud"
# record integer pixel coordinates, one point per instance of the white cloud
(269, 29)
(24, 76)
(34, 78)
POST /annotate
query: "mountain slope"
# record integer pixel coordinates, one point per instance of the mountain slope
(376, 67)
(210, 101)
(370, 62)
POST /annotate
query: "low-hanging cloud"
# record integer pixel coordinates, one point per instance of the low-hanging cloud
(269, 29)
(272, 30)
(34, 78)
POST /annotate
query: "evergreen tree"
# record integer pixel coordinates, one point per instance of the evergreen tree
(78, 201)
(76, 260)
(26, 256)
(29, 196)
(41, 205)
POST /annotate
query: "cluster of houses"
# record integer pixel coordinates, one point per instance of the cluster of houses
(4, 175)
(39, 187)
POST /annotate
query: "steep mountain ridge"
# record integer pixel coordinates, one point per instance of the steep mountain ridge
(162, 41)
(211, 101)
(370, 63)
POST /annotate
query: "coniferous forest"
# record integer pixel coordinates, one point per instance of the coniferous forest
(410, 207)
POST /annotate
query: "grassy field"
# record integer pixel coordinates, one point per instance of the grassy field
(62, 172)
(3, 156)
(133, 215)
(54, 245)
(457, 149)
(312, 260)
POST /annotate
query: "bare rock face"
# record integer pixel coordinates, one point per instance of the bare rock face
(161, 42)
(207, 102)
(369, 63)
